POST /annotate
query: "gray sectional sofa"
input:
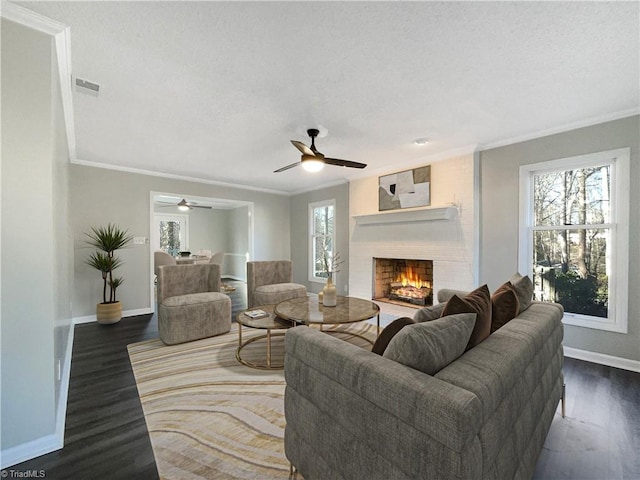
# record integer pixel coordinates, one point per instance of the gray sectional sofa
(352, 414)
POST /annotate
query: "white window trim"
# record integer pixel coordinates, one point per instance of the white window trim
(312, 206)
(619, 160)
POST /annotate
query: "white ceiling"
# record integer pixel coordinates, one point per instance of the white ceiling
(215, 90)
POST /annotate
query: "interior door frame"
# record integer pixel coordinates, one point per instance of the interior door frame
(195, 197)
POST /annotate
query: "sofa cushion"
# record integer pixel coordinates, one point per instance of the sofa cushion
(389, 332)
(479, 302)
(504, 306)
(429, 313)
(524, 289)
(431, 346)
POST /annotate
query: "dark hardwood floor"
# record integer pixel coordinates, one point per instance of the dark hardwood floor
(599, 438)
(105, 432)
(106, 436)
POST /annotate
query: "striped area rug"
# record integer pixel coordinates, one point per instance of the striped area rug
(208, 416)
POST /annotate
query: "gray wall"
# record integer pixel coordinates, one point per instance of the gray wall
(35, 260)
(235, 262)
(207, 230)
(499, 177)
(207, 227)
(100, 196)
(300, 235)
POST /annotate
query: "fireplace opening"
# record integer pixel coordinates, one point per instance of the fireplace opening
(403, 281)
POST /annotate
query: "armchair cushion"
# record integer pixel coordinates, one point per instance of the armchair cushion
(270, 282)
(278, 292)
(190, 305)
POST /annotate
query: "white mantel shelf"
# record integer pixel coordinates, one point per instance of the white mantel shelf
(447, 212)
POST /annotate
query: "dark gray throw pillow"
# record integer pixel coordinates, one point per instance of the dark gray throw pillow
(431, 346)
(524, 289)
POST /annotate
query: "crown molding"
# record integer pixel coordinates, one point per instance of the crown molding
(414, 163)
(561, 129)
(30, 19)
(342, 181)
(171, 176)
(62, 40)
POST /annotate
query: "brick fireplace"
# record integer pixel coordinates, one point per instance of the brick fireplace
(450, 243)
(403, 281)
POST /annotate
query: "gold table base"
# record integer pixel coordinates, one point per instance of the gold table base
(263, 366)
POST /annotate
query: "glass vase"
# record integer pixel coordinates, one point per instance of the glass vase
(329, 294)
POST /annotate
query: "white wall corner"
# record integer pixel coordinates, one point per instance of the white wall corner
(55, 441)
(62, 40)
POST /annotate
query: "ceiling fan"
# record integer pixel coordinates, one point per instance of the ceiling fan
(312, 160)
(184, 205)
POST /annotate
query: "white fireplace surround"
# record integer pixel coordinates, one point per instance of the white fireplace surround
(448, 240)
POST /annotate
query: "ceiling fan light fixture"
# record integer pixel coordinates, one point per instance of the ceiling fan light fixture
(183, 205)
(311, 163)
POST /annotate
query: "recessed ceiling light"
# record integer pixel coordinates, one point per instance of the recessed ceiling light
(421, 141)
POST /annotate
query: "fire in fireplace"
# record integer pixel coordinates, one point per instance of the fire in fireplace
(403, 281)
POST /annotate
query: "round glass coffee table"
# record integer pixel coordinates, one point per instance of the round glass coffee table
(268, 323)
(308, 311)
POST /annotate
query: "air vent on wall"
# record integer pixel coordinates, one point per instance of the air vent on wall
(85, 86)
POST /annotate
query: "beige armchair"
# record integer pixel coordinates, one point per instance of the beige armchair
(270, 282)
(218, 258)
(161, 258)
(190, 305)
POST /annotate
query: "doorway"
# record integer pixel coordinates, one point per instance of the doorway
(210, 225)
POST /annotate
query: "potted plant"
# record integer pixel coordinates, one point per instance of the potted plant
(107, 240)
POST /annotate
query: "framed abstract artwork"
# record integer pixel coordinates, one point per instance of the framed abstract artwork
(410, 188)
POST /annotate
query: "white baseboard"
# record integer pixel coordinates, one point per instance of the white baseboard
(48, 443)
(26, 451)
(602, 359)
(127, 313)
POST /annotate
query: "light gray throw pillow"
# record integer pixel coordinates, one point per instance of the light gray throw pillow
(427, 314)
(431, 346)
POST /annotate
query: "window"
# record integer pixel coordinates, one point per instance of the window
(171, 233)
(574, 238)
(321, 238)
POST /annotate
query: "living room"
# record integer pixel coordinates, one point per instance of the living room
(45, 294)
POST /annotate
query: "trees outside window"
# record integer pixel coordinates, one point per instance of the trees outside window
(322, 239)
(574, 245)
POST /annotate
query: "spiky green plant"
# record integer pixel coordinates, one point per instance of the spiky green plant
(107, 240)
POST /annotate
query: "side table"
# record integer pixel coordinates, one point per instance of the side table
(269, 323)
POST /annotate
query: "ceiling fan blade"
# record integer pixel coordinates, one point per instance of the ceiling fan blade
(344, 163)
(302, 147)
(287, 167)
(200, 206)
